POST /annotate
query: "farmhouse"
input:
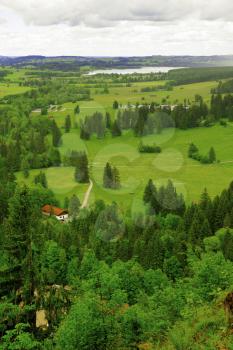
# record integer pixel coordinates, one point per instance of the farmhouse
(58, 213)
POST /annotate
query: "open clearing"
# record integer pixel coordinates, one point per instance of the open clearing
(189, 176)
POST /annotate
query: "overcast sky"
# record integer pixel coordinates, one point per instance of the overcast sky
(116, 27)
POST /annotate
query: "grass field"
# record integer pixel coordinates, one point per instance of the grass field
(60, 181)
(103, 102)
(11, 89)
(133, 94)
(189, 176)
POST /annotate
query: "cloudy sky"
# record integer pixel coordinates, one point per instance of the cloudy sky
(116, 27)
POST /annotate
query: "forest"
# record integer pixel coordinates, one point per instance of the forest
(111, 277)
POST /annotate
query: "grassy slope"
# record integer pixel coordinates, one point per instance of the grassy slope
(103, 102)
(135, 169)
(189, 176)
(11, 89)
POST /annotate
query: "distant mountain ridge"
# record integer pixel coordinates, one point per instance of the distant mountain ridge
(114, 62)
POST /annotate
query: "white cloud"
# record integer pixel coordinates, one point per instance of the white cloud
(104, 12)
(119, 27)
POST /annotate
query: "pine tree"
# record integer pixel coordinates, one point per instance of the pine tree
(212, 155)
(108, 176)
(197, 227)
(227, 220)
(115, 105)
(56, 134)
(206, 205)
(84, 134)
(192, 150)
(25, 168)
(66, 202)
(41, 179)
(67, 123)
(77, 110)
(81, 168)
(19, 233)
(74, 206)
(108, 121)
(116, 131)
(116, 178)
(227, 245)
(149, 192)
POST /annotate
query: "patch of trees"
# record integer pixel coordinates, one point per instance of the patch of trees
(28, 148)
(166, 87)
(111, 177)
(224, 87)
(191, 117)
(41, 179)
(193, 152)
(142, 148)
(107, 259)
(164, 199)
(192, 75)
(94, 124)
(81, 173)
(222, 107)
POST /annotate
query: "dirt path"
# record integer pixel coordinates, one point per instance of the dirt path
(87, 195)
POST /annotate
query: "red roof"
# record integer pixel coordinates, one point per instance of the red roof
(50, 209)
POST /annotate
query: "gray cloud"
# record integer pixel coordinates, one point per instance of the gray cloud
(107, 13)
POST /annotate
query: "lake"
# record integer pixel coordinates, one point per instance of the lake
(142, 70)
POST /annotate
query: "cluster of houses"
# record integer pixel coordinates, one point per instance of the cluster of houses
(162, 106)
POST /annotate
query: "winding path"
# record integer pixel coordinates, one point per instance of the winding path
(87, 195)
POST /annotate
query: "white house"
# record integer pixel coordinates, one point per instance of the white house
(58, 213)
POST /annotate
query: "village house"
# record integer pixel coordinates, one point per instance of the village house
(58, 213)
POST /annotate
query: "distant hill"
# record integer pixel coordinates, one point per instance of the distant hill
(74, 62)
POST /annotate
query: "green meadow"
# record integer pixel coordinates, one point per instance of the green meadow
(103, 102)
(11, 89)
(189, 176)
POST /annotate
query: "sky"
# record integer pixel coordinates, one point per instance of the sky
(116, 27)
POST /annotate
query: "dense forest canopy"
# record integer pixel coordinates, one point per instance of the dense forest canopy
(108, 277)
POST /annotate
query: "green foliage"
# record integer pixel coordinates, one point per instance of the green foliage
(41, 179)
(111, 177)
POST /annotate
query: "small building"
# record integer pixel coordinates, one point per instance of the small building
(58, 213)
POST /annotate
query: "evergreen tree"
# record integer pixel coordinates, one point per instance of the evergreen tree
(212, 155)
(74, 206)
(111, 177)
(196, 230)
(41, 179)
(84, 134)
(67, 123)
(227, 220)
(108, 176)
(19, 233)
(66, 203)
(206, 205)
(54, 156)
(227, 245)
(192, 150)
(116, 131)
(149, 192)
(25, 168)
(108, 121)
(56, 134)
(77, 110)
(116, 178)
(81, 168)
(115, 105)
